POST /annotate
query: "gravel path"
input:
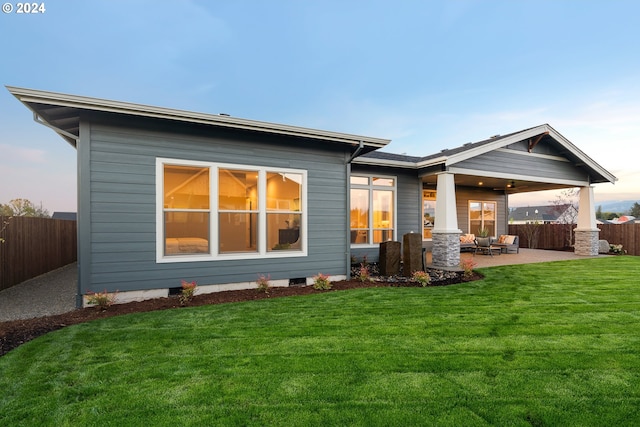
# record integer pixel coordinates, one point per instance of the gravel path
(50, 293)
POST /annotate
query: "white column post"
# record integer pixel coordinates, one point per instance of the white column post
(586, 232)
(446, 234)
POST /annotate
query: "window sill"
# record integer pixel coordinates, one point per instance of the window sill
(229, 257)
(364, 245)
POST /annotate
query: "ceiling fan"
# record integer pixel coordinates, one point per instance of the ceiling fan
(511, 185)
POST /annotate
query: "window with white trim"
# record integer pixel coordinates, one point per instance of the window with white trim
(373, 207)
(482, 215)
(209, 211)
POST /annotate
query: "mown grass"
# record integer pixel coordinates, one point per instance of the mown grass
(540, 344)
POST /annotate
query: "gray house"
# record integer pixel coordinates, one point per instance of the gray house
(167, 195)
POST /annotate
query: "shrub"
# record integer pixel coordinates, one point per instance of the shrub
(188, 290)
(101, 300)
(617, 249)
(421, 277)
(364, 274)
(321, 282)
(263, 283)
(467, 265)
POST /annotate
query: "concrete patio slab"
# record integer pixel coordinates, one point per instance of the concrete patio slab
(525, 256)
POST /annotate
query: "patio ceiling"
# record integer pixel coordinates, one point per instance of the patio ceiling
(504, 185)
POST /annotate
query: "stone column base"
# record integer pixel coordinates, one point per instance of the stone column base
(446, 249)
(587, 242)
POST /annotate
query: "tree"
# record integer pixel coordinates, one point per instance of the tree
(532, 231)
(635, 210)
(23, 207)
(3, 226)
(566, 209)
(599, 212)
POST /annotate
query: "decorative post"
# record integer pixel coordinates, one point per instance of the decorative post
(586, 232)
(446, 234)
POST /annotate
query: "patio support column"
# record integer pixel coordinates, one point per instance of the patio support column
(446, 234)
(586, 233)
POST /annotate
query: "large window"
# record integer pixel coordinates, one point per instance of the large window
(482, 215)
(372, 217)
(186, 209)
(218, 211)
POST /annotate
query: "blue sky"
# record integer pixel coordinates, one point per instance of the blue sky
(426, 74)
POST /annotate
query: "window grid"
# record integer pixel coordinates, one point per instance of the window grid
(256, 232)
(482, 214)
(380, 224)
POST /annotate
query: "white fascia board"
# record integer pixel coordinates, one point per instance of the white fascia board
(511, 176)
(499, 143)
(383, 162)
(503, 142)
(97, 104)
(432, 162)
(582, 156)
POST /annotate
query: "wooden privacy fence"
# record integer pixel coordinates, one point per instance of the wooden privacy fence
(35, 246)
(560, 236)
(627, 235)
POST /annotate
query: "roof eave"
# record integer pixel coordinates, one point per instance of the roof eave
(384, 162)
(498, 143)
(29, 96)
(608, 177)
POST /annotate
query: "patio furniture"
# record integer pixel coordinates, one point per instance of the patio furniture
(467, 242)
(508, 244)
(486, 247)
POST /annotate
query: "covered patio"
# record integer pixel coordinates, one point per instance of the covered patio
(479, 177)
(525, 256)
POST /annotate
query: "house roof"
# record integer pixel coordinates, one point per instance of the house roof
(61, 112)
(70, 216)
(543, 213)
(383, 158)
(622, 220)
(450, 157)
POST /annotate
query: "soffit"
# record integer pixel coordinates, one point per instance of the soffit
(62, 112)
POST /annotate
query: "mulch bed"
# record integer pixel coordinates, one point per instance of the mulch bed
(17, 332)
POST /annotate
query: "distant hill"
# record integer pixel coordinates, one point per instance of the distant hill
(618, 206)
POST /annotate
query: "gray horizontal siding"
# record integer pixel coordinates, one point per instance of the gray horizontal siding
(464, 195)
(518, 164)
(409, 204)
(123, 206)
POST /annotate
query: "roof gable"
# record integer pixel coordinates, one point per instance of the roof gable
(532, 139)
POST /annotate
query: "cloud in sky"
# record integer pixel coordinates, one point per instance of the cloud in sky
(428, 75)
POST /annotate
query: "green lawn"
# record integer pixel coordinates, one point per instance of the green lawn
(541, 344)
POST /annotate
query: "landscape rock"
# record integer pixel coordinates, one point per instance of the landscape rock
(603, 247)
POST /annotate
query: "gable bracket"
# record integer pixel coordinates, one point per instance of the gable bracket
(533, 143)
